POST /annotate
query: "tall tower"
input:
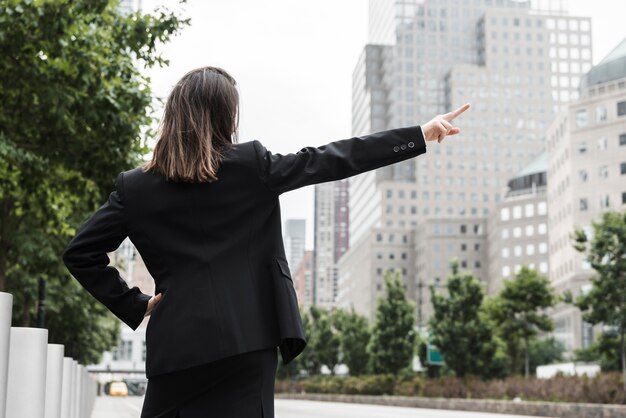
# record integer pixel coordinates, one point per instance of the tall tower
(517, 65)
(294, 239)
(332, 239)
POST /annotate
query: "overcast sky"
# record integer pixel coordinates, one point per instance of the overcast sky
(293, 61)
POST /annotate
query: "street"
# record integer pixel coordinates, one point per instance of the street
(109, 407)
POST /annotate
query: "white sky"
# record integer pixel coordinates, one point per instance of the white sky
(293, 61)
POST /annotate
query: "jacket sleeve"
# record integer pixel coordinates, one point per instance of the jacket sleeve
(86, 258)
(337, 160)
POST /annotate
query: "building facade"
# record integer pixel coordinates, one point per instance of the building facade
(331, 239)
(303, 280)
(518, 227)
(294, 239)
(587, 176)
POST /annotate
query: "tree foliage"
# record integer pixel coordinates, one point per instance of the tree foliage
(604, 351)
(518, 313)
(354, 335)
(74, 103)
(392, 343)
(458, 329)
(544, 351)
(605, 303)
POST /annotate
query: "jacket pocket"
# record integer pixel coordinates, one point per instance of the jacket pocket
(283, 267)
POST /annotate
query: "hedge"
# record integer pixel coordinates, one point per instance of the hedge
(605, 388)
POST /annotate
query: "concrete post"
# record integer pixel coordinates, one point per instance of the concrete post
(26, 385)
(67, 387)
(54, 380)
(6, 304)
(75, 386)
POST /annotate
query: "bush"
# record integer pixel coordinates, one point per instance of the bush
(605, 388)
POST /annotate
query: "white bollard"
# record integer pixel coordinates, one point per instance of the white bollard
(78, 391)
(54, 380)
(6, 305)
(67, 387)
(26, 386)
(73, 411)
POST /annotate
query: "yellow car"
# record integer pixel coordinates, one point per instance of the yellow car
(118, 389)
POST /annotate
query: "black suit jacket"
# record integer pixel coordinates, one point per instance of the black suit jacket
(215, 250)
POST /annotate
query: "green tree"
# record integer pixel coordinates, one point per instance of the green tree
(544, 351)
(325, 338)
(73, 106)
(605, 351)
(392, 343)
(458, 329)
(354, 335)
(518, 311)
(606, 301)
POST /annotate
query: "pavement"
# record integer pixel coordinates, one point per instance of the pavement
(130, 407)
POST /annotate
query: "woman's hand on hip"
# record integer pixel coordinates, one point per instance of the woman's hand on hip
(441, 125)
(152, 303)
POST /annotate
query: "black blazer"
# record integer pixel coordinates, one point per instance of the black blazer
(215, 250)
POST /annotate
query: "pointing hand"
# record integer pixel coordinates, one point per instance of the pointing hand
(441, 125)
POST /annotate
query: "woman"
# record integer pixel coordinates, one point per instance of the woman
(204, 214)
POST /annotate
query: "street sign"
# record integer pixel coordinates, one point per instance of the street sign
(433, 355)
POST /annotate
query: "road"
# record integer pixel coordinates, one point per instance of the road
(107, 407)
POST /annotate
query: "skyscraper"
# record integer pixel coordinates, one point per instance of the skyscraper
(294, 239)
(515, 64)
(331, 238)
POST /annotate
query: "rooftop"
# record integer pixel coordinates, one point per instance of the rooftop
(612, 67)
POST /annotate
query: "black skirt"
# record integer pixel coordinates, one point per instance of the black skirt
(236, 386)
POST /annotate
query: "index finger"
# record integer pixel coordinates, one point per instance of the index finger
(456, 113)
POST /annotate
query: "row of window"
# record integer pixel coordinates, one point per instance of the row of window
(542, 248)
(604, 202)
(601, 114)
(449, 229)
(529, 230)
(528, 211)
(603, 172)
(391, 238)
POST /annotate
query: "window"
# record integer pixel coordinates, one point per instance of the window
(583, 175)
(543, 248)
(463, 247)
(506, 271)
(623, 198)
(542, 229)
(379, 237)
(504, 214)
(622, 168)
(463, 229)
(583, 204)
(517, 212)
(505, 233)
(477, 264)
(602, 143)
(517, 250)
(530, 230)
(621, 108)
(529, 210)
(517, 232)
(542, 208)
(622, 139)
(581, 118)
(603, 171)
(600, 113)
(530, 249)
(582, 147)
(505, 252)
(604, 201)
(543, 267)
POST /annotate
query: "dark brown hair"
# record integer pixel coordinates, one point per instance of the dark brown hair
(199, 123)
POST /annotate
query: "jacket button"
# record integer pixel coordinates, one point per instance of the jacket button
(402, 147)
(411, 144)
(396, 149)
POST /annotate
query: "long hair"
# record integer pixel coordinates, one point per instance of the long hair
(199, 123)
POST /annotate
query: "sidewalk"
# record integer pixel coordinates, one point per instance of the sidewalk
(114, 407)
